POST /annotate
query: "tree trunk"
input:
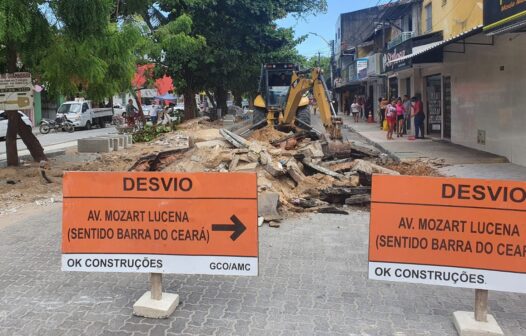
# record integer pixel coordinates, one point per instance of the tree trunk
(137, 96)
(15, 124)
(10, 138)
(211, 98)
(238, 99)
(11, 56)
(221, 97)
(189, 104)
(31, 141)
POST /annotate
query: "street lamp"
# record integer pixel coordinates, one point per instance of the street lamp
(331, 47)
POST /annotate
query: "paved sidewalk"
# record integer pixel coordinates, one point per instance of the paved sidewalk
(459, 161)
(313, 281)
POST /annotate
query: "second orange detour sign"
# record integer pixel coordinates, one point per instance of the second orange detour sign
(452, 232)
(195, 223)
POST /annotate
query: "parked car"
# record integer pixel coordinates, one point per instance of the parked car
(3, 122)
(118, 109)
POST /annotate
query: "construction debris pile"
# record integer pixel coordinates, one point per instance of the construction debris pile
(297, 172)
(302, 171)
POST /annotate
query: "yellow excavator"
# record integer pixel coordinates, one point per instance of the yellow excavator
(282, 100)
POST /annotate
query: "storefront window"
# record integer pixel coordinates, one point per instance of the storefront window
(434, 104)
(393, 87)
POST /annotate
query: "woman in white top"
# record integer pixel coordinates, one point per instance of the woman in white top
(355, 110)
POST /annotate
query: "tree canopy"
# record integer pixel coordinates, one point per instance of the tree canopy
(92, 47)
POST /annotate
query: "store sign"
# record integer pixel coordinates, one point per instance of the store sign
(452, 232)
(503, 13)
(374, 66)
(185, 223)
(396, 53)
(361, 68)
(16, 91)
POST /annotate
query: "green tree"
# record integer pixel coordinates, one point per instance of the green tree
(237, 36)
(180, 49)
(23, 29)
(323, 62)
(73, 47)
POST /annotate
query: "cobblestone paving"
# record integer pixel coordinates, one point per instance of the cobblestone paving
(313, 281)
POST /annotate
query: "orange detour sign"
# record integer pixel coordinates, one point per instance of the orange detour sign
(452, 232)
(195, 223)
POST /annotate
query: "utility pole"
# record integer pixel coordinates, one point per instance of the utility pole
(319, 59)
(331, 46)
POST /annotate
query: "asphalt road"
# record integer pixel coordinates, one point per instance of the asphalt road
(55, 138)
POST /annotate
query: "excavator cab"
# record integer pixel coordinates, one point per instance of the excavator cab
(282, 101)
(273, 90)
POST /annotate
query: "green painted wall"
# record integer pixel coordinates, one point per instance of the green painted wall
(38, 107)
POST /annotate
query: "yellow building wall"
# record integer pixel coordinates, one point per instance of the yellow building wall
(453, 16)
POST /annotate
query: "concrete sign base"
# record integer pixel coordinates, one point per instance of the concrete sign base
(148, 307)
(467, 325)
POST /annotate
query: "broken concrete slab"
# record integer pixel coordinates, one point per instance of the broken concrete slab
(268, 206)
(361, 199)
(246, 166)
(213, 143)
(314, 151)
(234, 139)
(294, 170)
(371, 168)
(339, 195)
(308, 203)
(322, 170)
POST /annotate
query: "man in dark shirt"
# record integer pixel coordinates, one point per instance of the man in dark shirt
(418, 113)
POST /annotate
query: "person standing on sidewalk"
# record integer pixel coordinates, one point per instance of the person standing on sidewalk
(383, 102)
(400, 117)
(390, 115)
(407, 114)
(355, 110)
(361, 103)
(346, 107)
(418, 113)
(154, 114)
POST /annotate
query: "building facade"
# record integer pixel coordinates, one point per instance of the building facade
(464, 59)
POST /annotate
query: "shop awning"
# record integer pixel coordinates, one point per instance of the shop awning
(517, 26)
(427, 48)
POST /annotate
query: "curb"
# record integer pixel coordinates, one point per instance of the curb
(28, 157)
(391, 155)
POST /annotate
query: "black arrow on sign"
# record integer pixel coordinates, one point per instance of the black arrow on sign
(237, 228)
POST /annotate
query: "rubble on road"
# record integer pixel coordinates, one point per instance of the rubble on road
(296, 172)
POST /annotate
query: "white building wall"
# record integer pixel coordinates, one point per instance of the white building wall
(488, 94)
(490, 98)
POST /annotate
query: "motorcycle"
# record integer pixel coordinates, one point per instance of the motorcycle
(60, 123)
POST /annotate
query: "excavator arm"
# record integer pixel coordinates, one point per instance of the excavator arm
(300, 84)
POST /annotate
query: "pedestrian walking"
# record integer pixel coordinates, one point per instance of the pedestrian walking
(382, 102)
(130, 112)
(400, 112)
(418, 114)
(346, 107)
(390, 115)
(355, 109)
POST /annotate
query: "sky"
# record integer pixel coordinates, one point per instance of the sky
(323, 24)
